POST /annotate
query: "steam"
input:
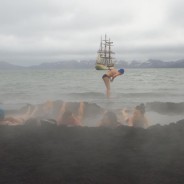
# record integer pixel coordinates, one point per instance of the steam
(156, 112)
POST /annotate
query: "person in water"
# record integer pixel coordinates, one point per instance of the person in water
(138, 118)
(109, 119)
(109, 77)
(18, 119)
(68, 118)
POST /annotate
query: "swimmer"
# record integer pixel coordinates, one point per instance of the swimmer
(109, 77)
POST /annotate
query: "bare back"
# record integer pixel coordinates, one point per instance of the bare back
(112, 72)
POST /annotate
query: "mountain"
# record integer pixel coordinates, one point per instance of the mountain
(179, 64)
(90, 64)
(161, 64)
(151, 63)
(72, 64)
(8, 66)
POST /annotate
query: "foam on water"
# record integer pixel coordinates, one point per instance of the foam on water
(134, 87)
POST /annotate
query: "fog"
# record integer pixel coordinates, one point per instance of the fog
(39, 31)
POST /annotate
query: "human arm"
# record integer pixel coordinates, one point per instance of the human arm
(125, 114)
(61, 112)
(127, 117)
(114, 76)
(111, 79)
(80, 114)
(146, 122)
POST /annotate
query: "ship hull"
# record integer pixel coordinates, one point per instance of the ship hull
(102, 67)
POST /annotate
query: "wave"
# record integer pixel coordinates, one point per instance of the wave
(120, 95)
(165, 107)
(87, 94)
(95, 108)
(148, 94)
(158, 112)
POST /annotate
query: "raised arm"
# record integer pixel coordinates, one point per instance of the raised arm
(114, 76)
(61, 112)
(80, 112)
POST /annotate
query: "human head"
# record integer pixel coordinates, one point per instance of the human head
(109, 119)
(141, 108)
(67, 115)
(121, 71)
(111, 115)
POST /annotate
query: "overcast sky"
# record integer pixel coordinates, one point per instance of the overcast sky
(36, 31)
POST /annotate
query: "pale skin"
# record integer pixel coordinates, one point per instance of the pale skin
(136, 115)
(78, 117)
(111, 75)
(18, 119)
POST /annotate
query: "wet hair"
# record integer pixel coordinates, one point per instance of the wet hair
(141, 108)
(111, 116)
(67, 115)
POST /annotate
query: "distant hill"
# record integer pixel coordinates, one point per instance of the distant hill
(8, 66)
(161, 64)
(151, 63)
(89, 64)
(72, 64)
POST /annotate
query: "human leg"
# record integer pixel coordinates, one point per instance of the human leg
(107, 84)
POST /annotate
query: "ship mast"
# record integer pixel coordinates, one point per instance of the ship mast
(105, 52)
(110, 52)
(108, 57)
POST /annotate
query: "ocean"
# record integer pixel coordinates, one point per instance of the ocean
(19, 87)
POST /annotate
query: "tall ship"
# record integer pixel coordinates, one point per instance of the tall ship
(104, 60)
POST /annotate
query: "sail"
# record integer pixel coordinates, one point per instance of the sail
(104, 55)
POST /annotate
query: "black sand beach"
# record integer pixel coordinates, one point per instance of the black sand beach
(48, 154)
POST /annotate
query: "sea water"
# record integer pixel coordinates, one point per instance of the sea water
(19, 87)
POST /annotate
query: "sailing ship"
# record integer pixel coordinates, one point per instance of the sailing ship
(104, 59)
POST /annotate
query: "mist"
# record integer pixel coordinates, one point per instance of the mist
(38, 31)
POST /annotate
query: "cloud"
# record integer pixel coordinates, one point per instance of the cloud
(50, 30)
(176, 14)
